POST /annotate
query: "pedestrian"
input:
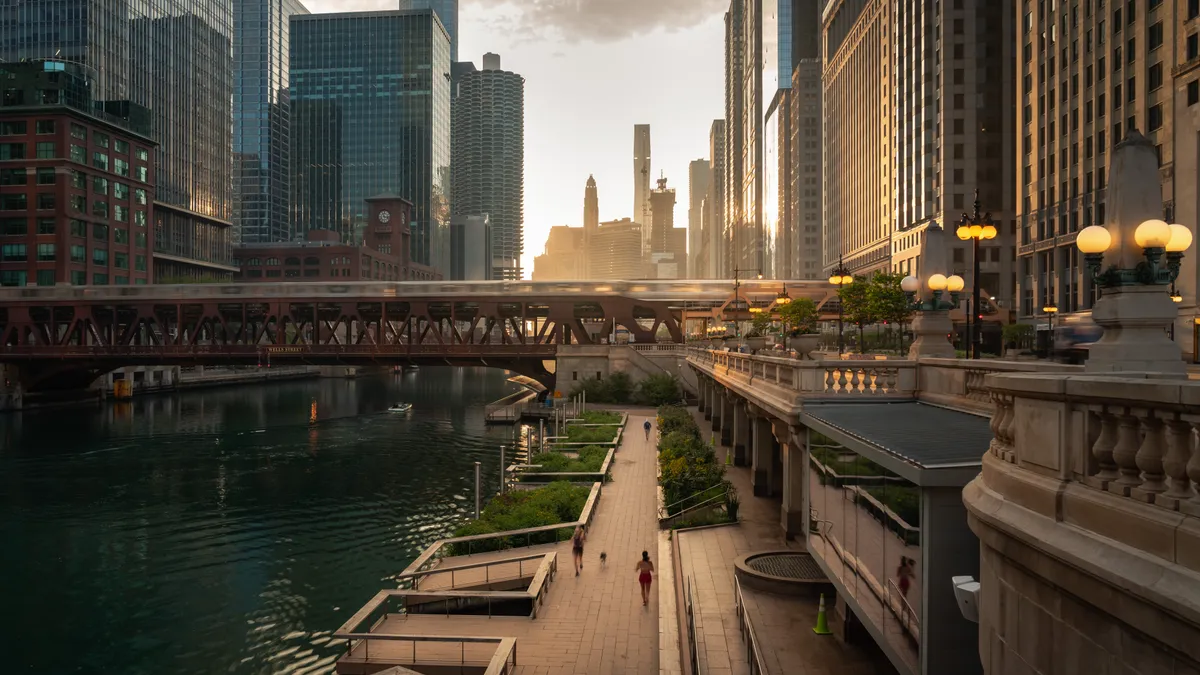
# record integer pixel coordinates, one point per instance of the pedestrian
(577, 547)
(645, 570)
(646, 428)
(904, 575)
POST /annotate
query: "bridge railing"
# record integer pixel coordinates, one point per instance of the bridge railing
(824, 378)
(274, 350)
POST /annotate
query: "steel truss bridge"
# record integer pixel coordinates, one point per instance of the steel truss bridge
(65, 336)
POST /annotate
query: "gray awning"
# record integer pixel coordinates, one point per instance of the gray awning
(915, 440)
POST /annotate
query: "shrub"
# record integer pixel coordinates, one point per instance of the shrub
(616, 388)
(601, 417)
(578, 434)
(672, 418)
(659, 389)
(558, 502)
(590, 459)
(688, 464)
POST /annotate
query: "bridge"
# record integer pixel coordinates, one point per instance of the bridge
(63, 337)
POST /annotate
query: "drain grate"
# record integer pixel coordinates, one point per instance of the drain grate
(799, 566)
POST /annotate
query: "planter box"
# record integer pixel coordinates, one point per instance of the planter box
(804, 344)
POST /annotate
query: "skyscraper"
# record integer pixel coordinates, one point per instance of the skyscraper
(735, 138)
(699, 178)
(370, 96)
(447, 11)
(262, 120)
(489, 159)
(668, 244)
(641, 181)
(175, 58)
(714, 204)
(591, 205)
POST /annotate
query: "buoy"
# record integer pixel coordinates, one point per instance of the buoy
(822, 627)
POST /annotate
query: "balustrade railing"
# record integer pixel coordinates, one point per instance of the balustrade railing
(823, 378)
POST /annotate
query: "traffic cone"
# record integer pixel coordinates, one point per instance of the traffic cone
(822, 627)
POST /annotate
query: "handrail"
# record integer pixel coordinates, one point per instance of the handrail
(683, 512)
(667, 508)
(499, 663)
(753, 651)
(690, 612)
(910, 615)
(413, 576)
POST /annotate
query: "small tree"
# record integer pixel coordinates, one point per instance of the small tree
(887, 299)
(759, 325)
(659, 389)
(800, 316)
(856, 304)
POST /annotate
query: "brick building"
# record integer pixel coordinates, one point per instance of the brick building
(386, 253)
(76, 181)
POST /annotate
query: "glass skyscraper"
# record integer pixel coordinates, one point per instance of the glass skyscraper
(261, 120)
(370, 94)
(175, 58)
(447, 11)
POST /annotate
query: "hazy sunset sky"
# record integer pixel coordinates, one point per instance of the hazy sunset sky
(593, 69)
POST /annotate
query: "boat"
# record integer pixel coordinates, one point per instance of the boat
(400, 407)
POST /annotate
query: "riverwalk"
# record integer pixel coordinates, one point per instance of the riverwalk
(594, 623)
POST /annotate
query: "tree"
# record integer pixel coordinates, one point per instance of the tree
(800, 316)
(856, 305)
(759, 325)
(887, 299)
(659, 389)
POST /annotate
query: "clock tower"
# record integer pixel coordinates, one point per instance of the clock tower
(387, 228)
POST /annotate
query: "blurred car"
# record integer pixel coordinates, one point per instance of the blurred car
(1074, 336)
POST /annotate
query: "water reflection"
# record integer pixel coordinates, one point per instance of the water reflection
(866, 526)
(226, 530)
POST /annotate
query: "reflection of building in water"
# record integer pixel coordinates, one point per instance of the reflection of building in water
(890, 531)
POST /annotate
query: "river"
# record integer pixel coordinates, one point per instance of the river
(221, 530)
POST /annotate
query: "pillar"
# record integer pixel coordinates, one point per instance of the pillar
(717, 407)
(762, 467)
(791, 511)
(728, 406)
(700, 387)
(741, 434)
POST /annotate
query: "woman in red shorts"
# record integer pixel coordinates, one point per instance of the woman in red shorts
(645, 570)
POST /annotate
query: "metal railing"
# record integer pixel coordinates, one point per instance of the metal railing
(499, 661)
(898, 604)
(690, 612)
(414, 577)
(703, 495)
(753, 651)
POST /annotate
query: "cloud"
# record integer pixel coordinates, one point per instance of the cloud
(324, 6)
(607, 20)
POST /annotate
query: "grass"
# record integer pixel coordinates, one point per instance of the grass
(903, 501)
(578, 434)
(601, 417)
(558, 502)
(590, 459)
(719, 517)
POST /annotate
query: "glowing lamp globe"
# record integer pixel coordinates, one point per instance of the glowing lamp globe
(937, 282)
(1093, 239)
(1153, 234)
(989, 232)
(963, 232)
(955, 284)
(910, 284)
(1181, 239)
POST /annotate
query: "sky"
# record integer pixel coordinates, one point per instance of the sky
(593, 69)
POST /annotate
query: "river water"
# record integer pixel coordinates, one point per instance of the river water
(221, 530)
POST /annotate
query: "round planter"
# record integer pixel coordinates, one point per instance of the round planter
(756, 343)
(804, 344)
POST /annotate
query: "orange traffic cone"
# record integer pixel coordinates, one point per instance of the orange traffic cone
(822, 627)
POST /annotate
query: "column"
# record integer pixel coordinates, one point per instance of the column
(777, 476)
(717, 408)
(792, 511)
(741, 434)
(762, 468)
(701, 386)
(728, 406)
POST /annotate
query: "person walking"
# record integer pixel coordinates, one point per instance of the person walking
(646, 428)
(577, 541)
(904, 575)
(645, 570)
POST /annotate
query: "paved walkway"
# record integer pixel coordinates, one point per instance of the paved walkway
(594, 623)
(783, 624)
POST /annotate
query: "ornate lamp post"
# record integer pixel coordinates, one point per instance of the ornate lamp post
(841, 277)
(737, 283)
(975, 228)
(925, 293)
(1143, 255)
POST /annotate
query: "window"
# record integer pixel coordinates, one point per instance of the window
(121, 281)
(47, 150)
(139, 263)
(1154, 37)
(291, 262)
(45, 252)
(1155, 115)
(45, 226)
(1131, 89)
(13, 253)
(120, 167)
(12, 176)
(1193, 46)
(139, 196)
(78, 154)
(1130, 52)
(78, 203)
(79, 180)
(1155, 76)
(13, 129)
(1193, 92)
(12, 151)
(100, 139)
(121, 260)
(120, 235)
(140, 173)
(45, 175)
(45, 277)
(12, 227)
(139, 239)
(78, 253)
(78, 228)
(15, 202)
(45, 126)
(100, 160)
(120, 190)
(139, 217)
(100, 232)
(78, 131)
(78, 278)
(99, 279)
(100, 256)
(45, 201)
(142, 154)
(121, 147)
(121, 213)
(100, 208)
(13, 278)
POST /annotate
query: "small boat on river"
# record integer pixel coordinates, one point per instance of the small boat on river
(400, 407)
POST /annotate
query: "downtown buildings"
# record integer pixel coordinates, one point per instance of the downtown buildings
(173, 58)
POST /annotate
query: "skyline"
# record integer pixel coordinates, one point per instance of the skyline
(569, 133)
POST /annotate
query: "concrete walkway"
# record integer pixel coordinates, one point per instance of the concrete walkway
(594, 623)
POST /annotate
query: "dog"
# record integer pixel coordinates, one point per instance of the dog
(603, 558)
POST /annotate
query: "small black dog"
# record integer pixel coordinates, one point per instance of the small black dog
(603, 558)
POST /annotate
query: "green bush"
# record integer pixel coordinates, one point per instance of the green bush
(904, 501)
(558, 502)
(672, 418)
(591, 458)
(579, 434)
(718, 517)
(601, 417)
(616, 388)
(659, 389)
(688, 464)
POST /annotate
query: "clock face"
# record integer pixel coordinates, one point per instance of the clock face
(384, 216)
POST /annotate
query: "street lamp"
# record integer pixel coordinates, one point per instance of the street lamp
(737, 283)
(938, 284)
(841, 277)
(975, 228)
(1050, 309)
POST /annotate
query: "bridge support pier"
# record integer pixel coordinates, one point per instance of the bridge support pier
(792, 514)
(763, 466)
(728, 408)
(701, 402)
(741, 433)
(715, 407)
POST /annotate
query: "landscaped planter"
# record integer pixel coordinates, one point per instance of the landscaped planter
(756, 343)
(804, 344)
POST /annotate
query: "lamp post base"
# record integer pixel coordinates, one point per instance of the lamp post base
(1135, 321)
(931, 330)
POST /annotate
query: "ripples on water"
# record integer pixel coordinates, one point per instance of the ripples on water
(221, 531)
